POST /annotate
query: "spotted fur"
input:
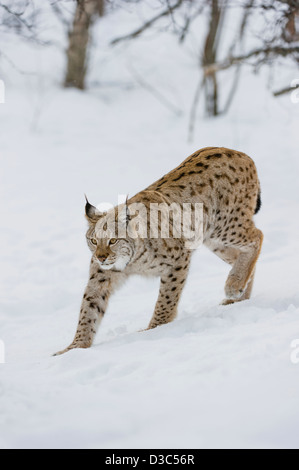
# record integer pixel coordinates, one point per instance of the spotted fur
(226, 182)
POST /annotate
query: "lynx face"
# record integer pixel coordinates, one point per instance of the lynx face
(109, 249)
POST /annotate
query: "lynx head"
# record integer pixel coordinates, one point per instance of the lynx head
(107, 237)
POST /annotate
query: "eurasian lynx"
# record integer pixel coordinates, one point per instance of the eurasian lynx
(225, 182)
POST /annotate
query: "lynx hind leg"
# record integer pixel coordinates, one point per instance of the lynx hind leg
(229, 255)
(243, 268)
(245, 296)
(242, 257)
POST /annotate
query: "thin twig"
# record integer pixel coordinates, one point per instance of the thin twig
(156, 93)
(285, 90)
(188, 22)
(227, 63)
(194, 107)
(239, 40)
(147, 24)
(18, 16)
(15, 67)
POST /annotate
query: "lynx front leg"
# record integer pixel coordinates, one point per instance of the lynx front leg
(171, 287)
(93, 306)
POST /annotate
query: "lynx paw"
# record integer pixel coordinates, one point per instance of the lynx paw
(73, 346)
(228, 301)
(234, 288)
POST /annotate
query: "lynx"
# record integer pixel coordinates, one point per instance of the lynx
(225, 182)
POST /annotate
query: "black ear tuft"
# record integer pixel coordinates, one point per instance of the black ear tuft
(258, 203)
(128, 216)
(91, 212)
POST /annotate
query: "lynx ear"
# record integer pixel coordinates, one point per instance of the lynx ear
(123, 214)
(92, 213)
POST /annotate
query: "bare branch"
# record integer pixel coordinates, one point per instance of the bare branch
(168, 11)
(156, 93)
(17, 15)
(285, 90)
(193, 110)
(267, 51)
(59, 13)
(189, 20)
(239, 40)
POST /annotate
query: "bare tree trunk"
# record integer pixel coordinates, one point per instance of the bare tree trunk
(210, 52)
(291, 31)
(239, 41)
(86, 11)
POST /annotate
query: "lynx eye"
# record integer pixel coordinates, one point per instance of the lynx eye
(112, 241)
(94, 241)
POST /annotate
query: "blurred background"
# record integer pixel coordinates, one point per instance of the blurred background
(103, 97)
(104, 44)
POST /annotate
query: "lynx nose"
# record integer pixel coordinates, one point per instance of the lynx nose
(102, 258)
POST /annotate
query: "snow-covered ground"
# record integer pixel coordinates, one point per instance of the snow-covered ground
(217, 376)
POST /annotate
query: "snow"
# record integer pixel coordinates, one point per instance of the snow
(215, 377)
